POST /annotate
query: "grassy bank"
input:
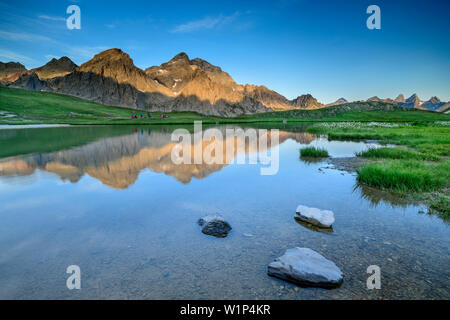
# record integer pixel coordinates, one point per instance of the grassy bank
(405, 175)
(19, 106)
(397, 153)
(421, 170)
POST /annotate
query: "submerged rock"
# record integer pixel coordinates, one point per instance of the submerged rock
(314, 228)
(306, 267)
(214, 225)
(314, 216)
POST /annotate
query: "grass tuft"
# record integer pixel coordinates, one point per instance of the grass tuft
(313, 152)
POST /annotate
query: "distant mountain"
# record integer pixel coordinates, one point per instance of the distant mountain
(375, 99)
(307, 101)
(9, 70)
(412, 102)
(337, 102)
(267, 97)
(433, 104)
(12, 71)
(55, 68)
(180, 84)
(400, 98)
(444, 108)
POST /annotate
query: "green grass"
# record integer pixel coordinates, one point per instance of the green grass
(32, 107)
(441, 206)
(429, 140)
(313, 152)
(420, 171)
(405, 176)
(396, 153)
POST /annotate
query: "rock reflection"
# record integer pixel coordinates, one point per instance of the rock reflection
(117, 161)
(313, 227)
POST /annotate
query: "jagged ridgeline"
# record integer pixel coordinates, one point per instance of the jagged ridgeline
(182, 84)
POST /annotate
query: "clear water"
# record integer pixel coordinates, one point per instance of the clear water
(111, 202)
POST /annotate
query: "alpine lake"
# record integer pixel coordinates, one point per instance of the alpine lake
(110, 200)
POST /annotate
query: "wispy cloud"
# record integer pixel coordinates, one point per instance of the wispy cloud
(9, 55)
(19, 36)
(84, 51)
(52, 18)
(51, 56)
(206, 23)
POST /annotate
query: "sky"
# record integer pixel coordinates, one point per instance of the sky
(291, 46)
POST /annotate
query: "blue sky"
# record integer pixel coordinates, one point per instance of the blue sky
(291, 46)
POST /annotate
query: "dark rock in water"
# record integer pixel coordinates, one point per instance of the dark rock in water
(307, 268)
(214, 225)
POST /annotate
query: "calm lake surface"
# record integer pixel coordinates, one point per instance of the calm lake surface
(110, 200)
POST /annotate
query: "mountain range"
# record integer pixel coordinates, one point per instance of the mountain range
(433, 104)
(181, 84)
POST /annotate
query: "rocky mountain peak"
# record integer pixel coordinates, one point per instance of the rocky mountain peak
(11, 68)
(205, 65)
(400, 98)
(112, 63)
(413, 98)
(181, 58)
(434, 99)
(108, 57)
(116, 65)
(337, 102)
(56, 67)
(181, 55)
(374, 98)
(306, 101)
(10, 65)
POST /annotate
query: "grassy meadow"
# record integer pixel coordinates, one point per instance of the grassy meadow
(18, 106)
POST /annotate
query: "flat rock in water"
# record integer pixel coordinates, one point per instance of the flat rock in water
(214, 225)
(314, 216)
(306, 267)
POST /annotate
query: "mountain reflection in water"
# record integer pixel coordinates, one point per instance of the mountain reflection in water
(117, 161)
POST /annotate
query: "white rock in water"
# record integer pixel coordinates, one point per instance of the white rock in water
(320, 218)
(306, 267)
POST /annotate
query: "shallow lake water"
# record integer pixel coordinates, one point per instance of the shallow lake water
(111, 201)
